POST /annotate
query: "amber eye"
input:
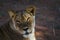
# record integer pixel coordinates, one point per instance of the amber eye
(17, 21)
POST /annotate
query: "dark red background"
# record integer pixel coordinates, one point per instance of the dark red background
(47, 16)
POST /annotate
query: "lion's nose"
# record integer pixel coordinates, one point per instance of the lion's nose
(25, 29)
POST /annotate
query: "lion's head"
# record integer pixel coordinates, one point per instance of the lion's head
(23, 21)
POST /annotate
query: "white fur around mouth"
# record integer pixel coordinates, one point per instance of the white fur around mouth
(26, 36)
(30, 36)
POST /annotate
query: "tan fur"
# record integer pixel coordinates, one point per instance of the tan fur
(23, 23)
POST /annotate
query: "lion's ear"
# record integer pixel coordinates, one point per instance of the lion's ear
(31, 10)
(11, 14)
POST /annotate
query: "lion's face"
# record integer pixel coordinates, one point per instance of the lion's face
(23, 21)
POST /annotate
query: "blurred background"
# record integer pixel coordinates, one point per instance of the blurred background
(47, 16)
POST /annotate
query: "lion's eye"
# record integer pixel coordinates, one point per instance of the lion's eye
(17, 21)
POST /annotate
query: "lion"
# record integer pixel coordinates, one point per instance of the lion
(23, 22)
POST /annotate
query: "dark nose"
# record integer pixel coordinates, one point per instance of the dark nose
(25, 29)
(26, 33)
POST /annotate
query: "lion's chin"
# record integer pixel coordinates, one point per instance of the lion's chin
(26, 36)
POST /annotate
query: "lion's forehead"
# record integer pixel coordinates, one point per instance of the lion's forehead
(23, 15)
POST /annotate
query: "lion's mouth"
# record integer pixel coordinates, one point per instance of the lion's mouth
(27, 33)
